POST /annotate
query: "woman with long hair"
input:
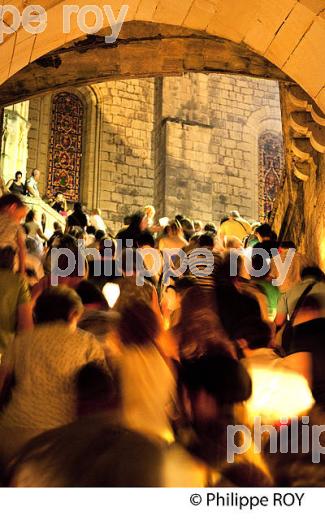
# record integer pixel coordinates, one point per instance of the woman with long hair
(173, 237)
(16, 185)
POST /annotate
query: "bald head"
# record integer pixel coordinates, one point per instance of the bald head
(36, 174)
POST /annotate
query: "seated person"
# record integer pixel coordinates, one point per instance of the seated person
(60, 204)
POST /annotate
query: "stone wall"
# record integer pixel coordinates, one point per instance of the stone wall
(120, 145)
(186, 144)
(128, 148)
(14, 140)
(38, 137)
(213, 123)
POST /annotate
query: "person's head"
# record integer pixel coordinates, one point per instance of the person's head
(210, 227)
(33, 246)
(198, 226)
(97, 212)
(314, 272)
(194, 241)
(174, 229)
(188, 228)
(310, 309)
(91, 230)
(179, 217)
(57, 226)
(54, 240)
(150, 212)
(138, 222)
(58, 304)
(261, 266)
(138, 325)
(91, 296)
(206, 240)
(99, 235)
(36, 174)
(293, 275)
(77, 207)
(209, 389)
(146, 239)
(175, 291)
(60, 259)
(218, 376)
(13, 206)
(107, 247)
(127, 220)
(252, 333)
(199, 325)
(77, 232)
(234, 214)
(18, 176)
(229, 267)
(7, 258)
(287, 244)
(264, 232)
(31, 215)
(59, 197)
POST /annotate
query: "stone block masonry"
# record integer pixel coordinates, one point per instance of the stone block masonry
(187, 144)
(212, 152)
(127, 148)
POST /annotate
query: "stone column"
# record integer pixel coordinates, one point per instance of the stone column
(300, 207)
(14, 152)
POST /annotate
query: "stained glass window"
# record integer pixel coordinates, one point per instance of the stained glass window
(271, 164)
(65, 146)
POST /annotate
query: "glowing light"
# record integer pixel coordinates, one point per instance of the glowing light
(277, 394)
(322, 253)
(111, 291)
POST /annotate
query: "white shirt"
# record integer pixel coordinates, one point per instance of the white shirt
(31, 183)
(97, 222)
(46, 361)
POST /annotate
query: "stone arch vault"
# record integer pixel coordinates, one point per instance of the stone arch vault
(290, 34)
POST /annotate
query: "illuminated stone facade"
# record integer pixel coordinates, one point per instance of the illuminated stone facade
(185, 144)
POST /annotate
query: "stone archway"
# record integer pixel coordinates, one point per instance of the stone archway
(260, 121)
(39, 138)
(279, 39)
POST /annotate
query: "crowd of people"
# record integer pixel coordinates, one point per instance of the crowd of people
(108, 382)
